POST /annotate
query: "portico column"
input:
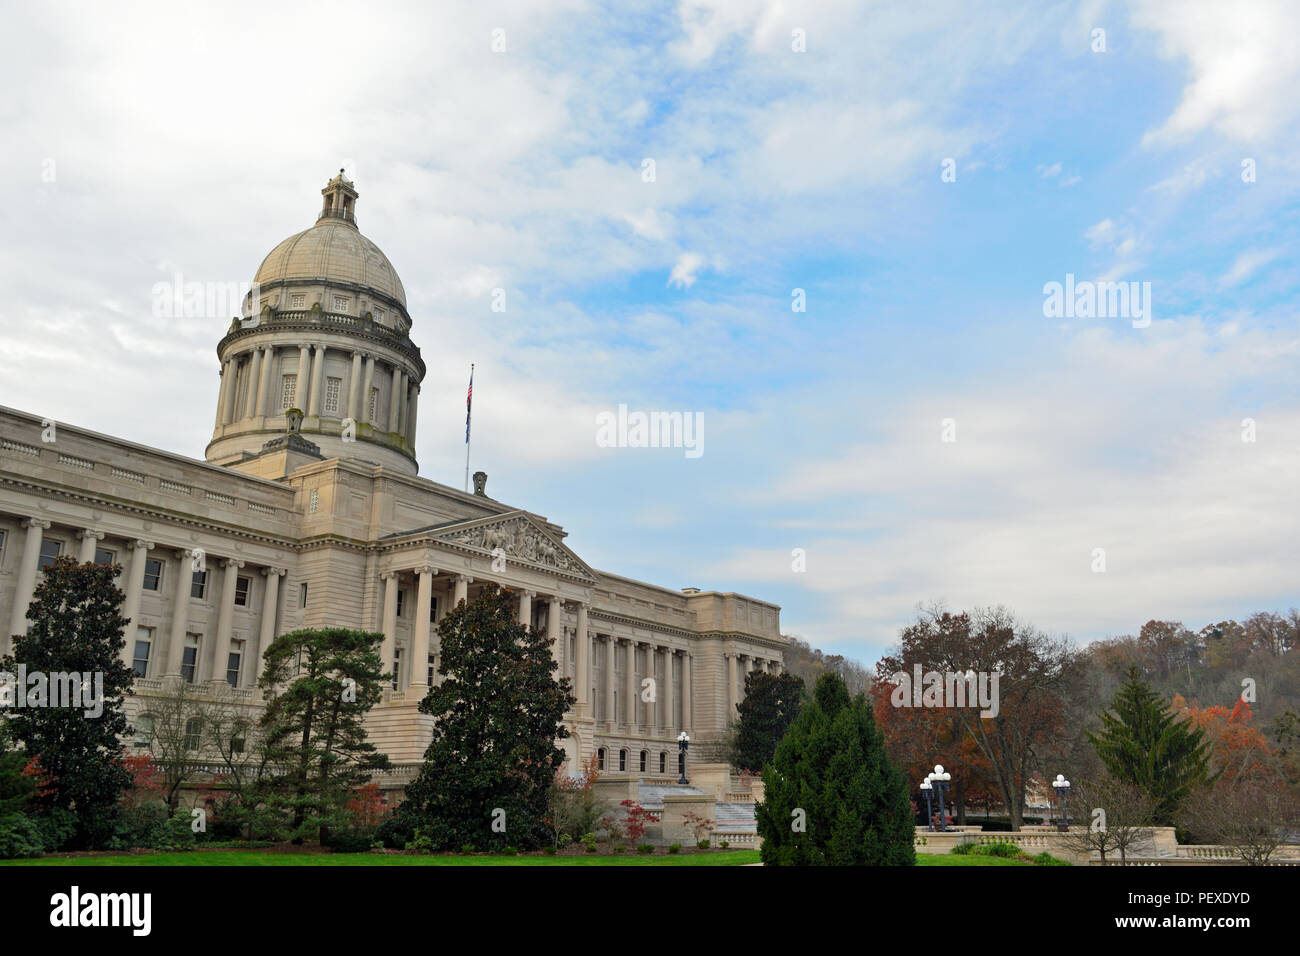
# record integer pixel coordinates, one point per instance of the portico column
(269, 607)
(317, 370)
(526, 608)
(134, 584)
(731, 688)
(386, 651)
(462, 590)
(26, 577)
(403, 405)
(366, 387)
(394, 399)
(553, 608)
(225, 616)
(264, 382)
(254, 380)
(687, 699)
(583, 657)
(611, 649)
(631, 687)
(420, 641)
(304, 378)
(354, 387)
(226, 382)
(228, 408)
(669, 722)
(89, 540)
(180, 611)
(410, 418)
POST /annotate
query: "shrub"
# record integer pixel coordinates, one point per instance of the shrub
(397, 830)
(509, 851)
(618, 849)
(420, 842)
(702, 844)
(176, 834)
(20, 837)
(564, 840)
(469, 849)
(589, 841)
(1006, 850)
(1046, 859)
(674, 848)
(549, 850)
(724, 843)
(963, 849)
(645, 849)
(350, 840)
(58, 828)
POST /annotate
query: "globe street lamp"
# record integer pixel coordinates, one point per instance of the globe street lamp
(940, 780)
(683, 742)
(927, 789)
(1062, 788)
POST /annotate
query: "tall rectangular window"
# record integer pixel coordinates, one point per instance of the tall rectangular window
(190, 659)
(50, 549)
(242, 586)
(288, 391)
(140, 657)
(373, 405)
(4, 536)
(332, 388)
(298, 301)
(302, 594)
(432, 668)
(397, 666)
(153, 572)
(233, 661)
(401, 600)
(198, 584)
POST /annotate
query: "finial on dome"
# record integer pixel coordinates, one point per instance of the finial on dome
(340, 200)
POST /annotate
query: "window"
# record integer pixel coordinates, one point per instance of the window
(663, 761)
(288, 391)
(50, 550)
(232, 663)
(143, 731)
(341, 303)
(644, 755)
(190, 658)
(104, 556)
(153, 571)
(401, 600)
(242, 587)
(313, 502)
(432, 668)
(622, 760)
(198, 584)
(302, 594)
(374, 404)
(140, 657)
(397, 666)
(4, 536)
(379, 316)
(600, 759)
(193, 731)
(298, 301)
(237, 742)
(433, 609)
(332, 388)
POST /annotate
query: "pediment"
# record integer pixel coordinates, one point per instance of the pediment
(520, 538)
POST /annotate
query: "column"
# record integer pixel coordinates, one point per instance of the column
(688, 701)
(526, 608)
(367, 386)
(410, 418)
(731, 688)
(317, 371)
(89, 541)
(354, 388)
(264, 382)
(394, 399)
(304, 378)
(254, 382)
(180, 611)
(553, 633)
(669, 722)
(227, 382)
(462, 590)
(225, 618)
(269, 606)
(403, 405)
(386, 651)
(228, 409)
(611, 648)
(631, 687)
(134, 584)
(583, 659)
(420, 641)
(26, 577)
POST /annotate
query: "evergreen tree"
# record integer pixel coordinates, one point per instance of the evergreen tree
(319, 686)
(76, 628)
(771, 703)
(488, 771)
(833, 797)
(1144, 744)
(17, 783)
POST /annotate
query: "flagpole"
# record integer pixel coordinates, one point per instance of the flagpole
(468, 412)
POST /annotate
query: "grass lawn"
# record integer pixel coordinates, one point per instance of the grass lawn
(969, 859)
(263, 858)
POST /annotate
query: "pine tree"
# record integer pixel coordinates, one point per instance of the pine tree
(832, 795)
(772, 701)
(1145, 744)
(487, 773)
(319, 686)
(76, 628)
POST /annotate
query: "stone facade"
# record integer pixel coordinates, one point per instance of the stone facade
(309, 513)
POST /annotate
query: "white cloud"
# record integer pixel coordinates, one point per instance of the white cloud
(685, 269)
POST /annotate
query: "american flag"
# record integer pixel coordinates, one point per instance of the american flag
(469, 401)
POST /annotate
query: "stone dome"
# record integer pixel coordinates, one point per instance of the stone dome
(333, 252)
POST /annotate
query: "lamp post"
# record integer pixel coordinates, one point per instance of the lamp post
(1062, 788)
(683, 742)
(940, 780)
(927, 789)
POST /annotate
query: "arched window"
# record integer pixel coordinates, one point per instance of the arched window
(663, 761)
(643, 760)
(600, 759)
(622, 760)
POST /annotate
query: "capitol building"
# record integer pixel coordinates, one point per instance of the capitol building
(309, 512)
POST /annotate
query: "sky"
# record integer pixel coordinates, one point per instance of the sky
(826, 230)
